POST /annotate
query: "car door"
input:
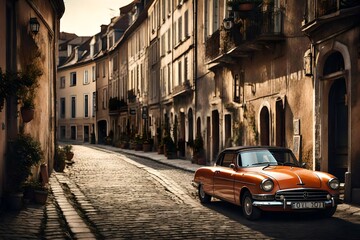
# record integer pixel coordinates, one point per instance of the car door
(224, 177)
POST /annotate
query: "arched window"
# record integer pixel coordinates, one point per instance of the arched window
(334, 63)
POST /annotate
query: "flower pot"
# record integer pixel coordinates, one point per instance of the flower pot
(161, 150)
(40, 196)
(69, 156)
(147, 147)
(27, 114)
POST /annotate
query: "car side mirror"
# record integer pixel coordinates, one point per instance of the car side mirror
(232, 166)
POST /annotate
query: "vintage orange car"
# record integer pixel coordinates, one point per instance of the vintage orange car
(266, 179)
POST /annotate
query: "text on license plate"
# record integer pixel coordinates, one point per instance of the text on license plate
(307, 205)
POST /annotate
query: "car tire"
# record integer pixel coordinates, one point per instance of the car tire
(203, 196)
(329, 212)
(250, 212)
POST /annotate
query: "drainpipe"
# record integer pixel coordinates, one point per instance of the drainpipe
(195, 57)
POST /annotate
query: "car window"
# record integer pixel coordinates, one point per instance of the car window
(256, 157)
(228, 159)
(283, 157)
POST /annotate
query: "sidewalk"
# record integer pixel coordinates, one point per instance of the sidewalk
(58, 219)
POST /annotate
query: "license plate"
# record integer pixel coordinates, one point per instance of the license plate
(307, 205)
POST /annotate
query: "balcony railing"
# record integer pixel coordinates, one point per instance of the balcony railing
(212, 45)
(131, 96)
(182, 89)
(319, 8)
(117, 105)
(256, 27)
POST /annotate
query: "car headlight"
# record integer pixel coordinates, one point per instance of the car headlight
(334, 183)
(267, 185)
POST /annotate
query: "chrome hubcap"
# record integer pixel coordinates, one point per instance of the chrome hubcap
(247, 206)
(202, 193)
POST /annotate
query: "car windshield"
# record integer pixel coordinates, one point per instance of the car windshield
(259, 157)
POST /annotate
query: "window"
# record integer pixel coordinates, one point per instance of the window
(73, 79)
(179, 73)
(93, 72)
(162, 49)
(186, 69)
(180, 30)
(236, 88)
(73, 107)
(62, 107)
(186, 24)
(86, 77)
(94, 104)
(62, 132)
(104, 98)
(163, 10)
(62, 82)
(103, 69)
(169, 41)
(86, 106)
(169, 78)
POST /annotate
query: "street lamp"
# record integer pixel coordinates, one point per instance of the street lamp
(34, 25)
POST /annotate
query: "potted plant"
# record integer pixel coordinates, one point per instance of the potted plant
(60, 159)
(198, 151)
(35, 191)
(68, 152)
(147, 145)
(138, 143)
(23, 153)
(26, 89)
(160, 144)
(169, 147)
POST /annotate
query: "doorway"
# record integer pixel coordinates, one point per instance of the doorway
(264, 127)
(215, 134)
(338, 129)
(280, 124)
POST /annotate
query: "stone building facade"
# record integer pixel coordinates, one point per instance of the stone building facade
(21, 46)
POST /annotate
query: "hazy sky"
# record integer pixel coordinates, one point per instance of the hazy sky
(84, 17)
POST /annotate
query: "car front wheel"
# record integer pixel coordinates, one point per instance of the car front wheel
(203, 196)
(249, 211)
(329, 211)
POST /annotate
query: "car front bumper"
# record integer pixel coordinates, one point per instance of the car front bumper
(284, 204)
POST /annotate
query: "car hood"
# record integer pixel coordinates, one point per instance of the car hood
(292, 177)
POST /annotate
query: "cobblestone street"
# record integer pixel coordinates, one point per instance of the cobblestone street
(128, 197)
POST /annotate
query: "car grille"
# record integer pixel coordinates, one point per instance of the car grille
(302, 195)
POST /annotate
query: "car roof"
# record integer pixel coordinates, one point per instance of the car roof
(240, 148)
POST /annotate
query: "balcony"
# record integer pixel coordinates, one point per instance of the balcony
(131, 96)
(320, 14)
(116, 106)
(247, 33)
(182, 89)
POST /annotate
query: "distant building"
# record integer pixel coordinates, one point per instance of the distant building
(76, 91)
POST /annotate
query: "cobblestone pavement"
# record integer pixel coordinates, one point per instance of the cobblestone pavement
(109, 193)
(136, 198)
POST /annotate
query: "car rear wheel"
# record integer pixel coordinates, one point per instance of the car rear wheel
(249, 211)
(203, 196)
